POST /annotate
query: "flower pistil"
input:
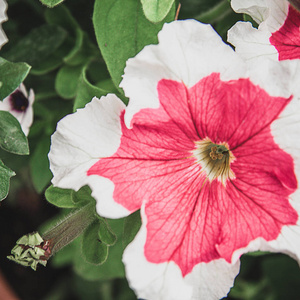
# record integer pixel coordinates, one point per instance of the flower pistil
(215, 160)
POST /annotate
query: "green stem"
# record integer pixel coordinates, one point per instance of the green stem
(216, 13)
(70, 228)
(33, 249)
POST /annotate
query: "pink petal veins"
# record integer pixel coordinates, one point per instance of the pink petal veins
(190, 219)
(287, 39)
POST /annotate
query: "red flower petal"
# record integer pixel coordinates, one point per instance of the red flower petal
(287, 39)
(189, 219)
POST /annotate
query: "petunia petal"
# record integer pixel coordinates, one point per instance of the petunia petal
(269, 14)
(79, 141)
(249, 41)
(257, 9)
(181, 55)
(3, 18)
(162, 281)
(25, 117)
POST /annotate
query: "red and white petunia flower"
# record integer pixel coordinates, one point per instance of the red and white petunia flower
(19, 104)
(3, 18)
(207, 149)
(277, 36)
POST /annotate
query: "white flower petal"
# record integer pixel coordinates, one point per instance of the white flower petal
(286, 134)
(163, 281)
(250, 42)
(78, 143)
(257, 9)
(25, 117)
(269, 14)
(3, 18)
(103, 189)
(183, 53)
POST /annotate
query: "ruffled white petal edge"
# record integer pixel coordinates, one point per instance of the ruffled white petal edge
(187, 51)
(163, 281)
(257, 9)
(285, 131)
(3, 18)
(25, 118)
(79, 141)
(269, 14)
(250, 42)
(278, 78)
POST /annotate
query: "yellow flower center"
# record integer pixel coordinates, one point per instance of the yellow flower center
(215, 160)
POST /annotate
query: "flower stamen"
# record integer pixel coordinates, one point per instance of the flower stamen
(215, 160)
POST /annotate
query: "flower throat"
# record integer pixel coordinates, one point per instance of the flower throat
(215, 160)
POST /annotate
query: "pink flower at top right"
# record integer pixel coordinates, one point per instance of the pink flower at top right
(277, 36)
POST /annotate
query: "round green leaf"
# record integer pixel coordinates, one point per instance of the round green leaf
(67, 198)
(11, 76)
(106, 235)
(60, 197)
(39, 165)
(113, 266)
(122, 31)
(156, 10)
(86, 91)
(12, 138)
(66, 81)
(93, 250)
(5, 175)
(37, 46)
(132, 225)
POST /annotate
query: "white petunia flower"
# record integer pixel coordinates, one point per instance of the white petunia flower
(19, 104)
(277, 36)
(207, 148)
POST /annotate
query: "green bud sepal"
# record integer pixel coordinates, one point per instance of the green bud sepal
(31, 250)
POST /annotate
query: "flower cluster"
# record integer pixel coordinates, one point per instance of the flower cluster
(207, 149)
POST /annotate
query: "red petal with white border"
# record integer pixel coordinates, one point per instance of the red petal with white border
(287, 39)
(190, 220)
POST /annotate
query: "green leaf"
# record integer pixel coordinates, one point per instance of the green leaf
(51, 3)
(93, 250)
(11, 76)
(53, 61)
(81, 48)
(67, 198)
(256, 253)
(62, 17)
(105, 233)
(132, 225)
(283, 275)
(39, 165)
(12, 138)
(60, 197)
(86, 91)
(156, 10)
(67, 80)
(113, 266)
(122, 31)
(37, 46)
(81, 51)
(5, 175)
